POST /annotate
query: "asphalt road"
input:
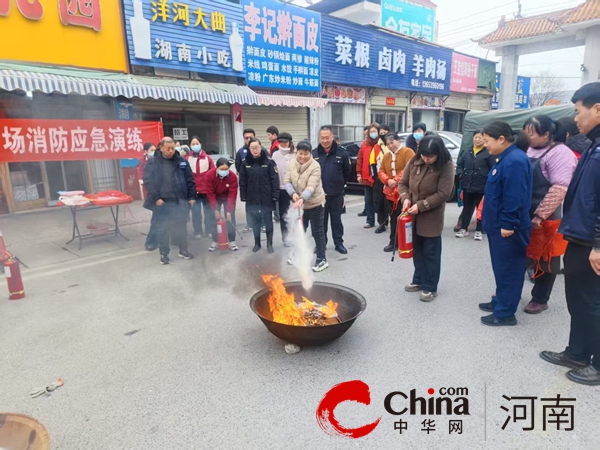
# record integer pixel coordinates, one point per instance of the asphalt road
(172, 357)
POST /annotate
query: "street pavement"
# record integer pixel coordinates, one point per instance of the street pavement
(170, 357)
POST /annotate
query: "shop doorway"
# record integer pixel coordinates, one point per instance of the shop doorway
(393, 119)
(65, 176)
(453, 121)
(27, 180)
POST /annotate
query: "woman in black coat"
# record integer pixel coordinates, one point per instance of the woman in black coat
(419, 131)
(472, 168)
(259, 188)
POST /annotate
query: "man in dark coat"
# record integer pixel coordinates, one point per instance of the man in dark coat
(171, 192)
(335, 173)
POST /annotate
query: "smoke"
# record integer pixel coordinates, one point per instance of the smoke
(301, 255)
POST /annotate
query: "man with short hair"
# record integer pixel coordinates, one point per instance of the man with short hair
(273, 135)
(171, 192)
(581, 228)
(335, 172)
(242, 152)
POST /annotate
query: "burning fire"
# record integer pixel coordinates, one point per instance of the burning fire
(285, 309)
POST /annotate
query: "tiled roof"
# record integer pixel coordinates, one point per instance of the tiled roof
(542, 24)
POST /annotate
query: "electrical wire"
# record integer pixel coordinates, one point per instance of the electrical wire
(476, 14)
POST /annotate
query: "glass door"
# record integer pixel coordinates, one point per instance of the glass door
(393, 119)
(65, 176)
(27, 182)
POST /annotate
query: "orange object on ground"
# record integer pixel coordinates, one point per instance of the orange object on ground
(12, 269)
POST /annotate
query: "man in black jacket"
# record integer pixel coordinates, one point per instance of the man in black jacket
(581, 228)
(171, 190)
(335, 172)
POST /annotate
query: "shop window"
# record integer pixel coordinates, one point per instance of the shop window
(337, 114)
(26, 180)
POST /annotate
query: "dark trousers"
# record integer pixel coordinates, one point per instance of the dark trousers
(257, 218)
(153, 237)
(284, 206)
(380, 202)
(394, 222)
(334, 204)
(230, 226)
(508, 262)
(583, 301)
(171, 220)
(471, 201)
(201, 207)
(427, 258)
(315, 217)
(543, 287)
(369, 206)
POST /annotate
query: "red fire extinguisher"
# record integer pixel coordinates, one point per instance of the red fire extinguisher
(222, 234)
(14, 280)
(405, 236)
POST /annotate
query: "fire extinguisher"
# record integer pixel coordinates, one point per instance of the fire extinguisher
(222, 234)
(14, 280)
(405, 236)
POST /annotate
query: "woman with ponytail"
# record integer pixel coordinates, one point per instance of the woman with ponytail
(506, 219)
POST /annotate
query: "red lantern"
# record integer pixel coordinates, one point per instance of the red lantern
(13, 279)
(405, 236)
(222, 234)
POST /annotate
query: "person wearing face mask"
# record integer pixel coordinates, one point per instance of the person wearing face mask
(369, 151)
(282, 158)
(221, 192)
(259, 189)
(380, 202)
(152, 238)
(424, 188)
(390, 173)
(419, 131)
(200, 163)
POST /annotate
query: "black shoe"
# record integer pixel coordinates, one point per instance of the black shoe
(563, 359)
(270, 249)
(150, 248)
(185, 254)
(380, 229)
(487, 307)
(256, 248)
(164, 259)
(341, 249)
(589, 376)
(362, 214)
(388, 248)
(493, 321)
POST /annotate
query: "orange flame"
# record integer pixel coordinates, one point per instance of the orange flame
(285, 310)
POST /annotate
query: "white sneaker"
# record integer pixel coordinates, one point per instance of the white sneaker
(233, 247)
(478, 236)
(213, 247)
(320, 266)
(462, 234)
(290, 262)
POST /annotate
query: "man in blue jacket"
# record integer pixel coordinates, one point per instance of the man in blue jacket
(581, 228)
(335, 172)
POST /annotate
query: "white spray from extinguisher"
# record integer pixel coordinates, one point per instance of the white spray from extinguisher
(301, 255)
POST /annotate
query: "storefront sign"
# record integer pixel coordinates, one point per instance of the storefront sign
(282, 46)
(521, 94)
(426, 102)
(465, 73)
(409, 19)
(180, 134)
(194, 35)
(72, 140)
(344, 94)
(358, 55)
(390, 101)
(82, 33)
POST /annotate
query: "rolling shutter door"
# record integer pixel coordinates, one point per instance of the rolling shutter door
(286, 119)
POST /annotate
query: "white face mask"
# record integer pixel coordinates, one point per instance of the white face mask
(373, 136)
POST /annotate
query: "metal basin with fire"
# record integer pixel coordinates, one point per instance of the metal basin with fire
(350, 305)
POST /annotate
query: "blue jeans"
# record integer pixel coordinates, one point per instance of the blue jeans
(200, 205)
(369, 205)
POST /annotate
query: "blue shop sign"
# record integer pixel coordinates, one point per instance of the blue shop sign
(521, 93)
(359, 56)
(282, 46)
(409, 19)
(195, 35)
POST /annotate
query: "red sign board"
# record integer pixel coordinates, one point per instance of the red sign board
(465, 71)
(69, 140)
(390, 101)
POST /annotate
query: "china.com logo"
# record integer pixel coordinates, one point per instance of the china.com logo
(452, 401)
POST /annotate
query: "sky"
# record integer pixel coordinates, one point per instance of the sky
(463, 20)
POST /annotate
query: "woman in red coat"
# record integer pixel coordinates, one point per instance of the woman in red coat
(200, 163)
(221, 192)
(363, 170)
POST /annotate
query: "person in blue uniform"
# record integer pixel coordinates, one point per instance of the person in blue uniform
(506, 219)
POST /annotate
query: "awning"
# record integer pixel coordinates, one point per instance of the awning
(291, 101)
(64, 81)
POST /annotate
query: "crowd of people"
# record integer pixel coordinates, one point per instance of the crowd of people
(536, 195)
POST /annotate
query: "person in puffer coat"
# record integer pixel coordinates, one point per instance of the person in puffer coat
(259, 189)
(303, 183)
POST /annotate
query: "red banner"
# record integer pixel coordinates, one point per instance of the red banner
(69, 140)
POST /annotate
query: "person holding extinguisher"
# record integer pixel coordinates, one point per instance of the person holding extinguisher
(221, 193)
(425, 186)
